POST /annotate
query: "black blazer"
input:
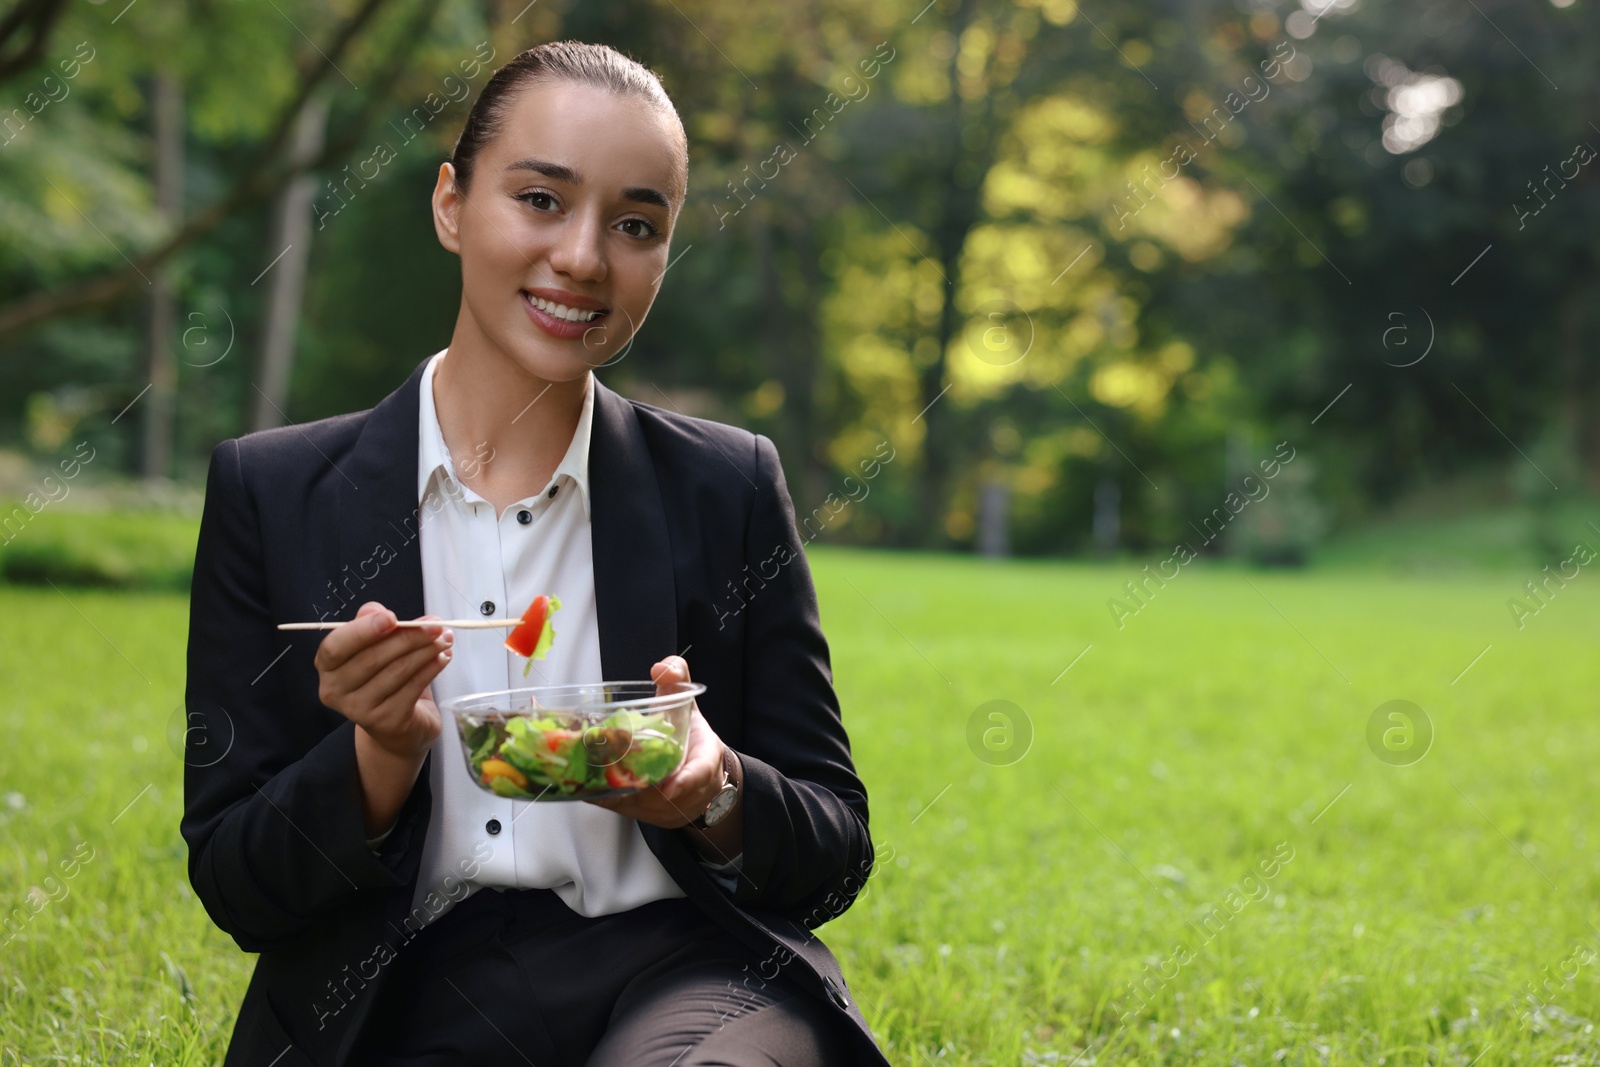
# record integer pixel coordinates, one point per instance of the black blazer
(695, 552)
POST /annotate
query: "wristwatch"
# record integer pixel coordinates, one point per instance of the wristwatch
(726, 797)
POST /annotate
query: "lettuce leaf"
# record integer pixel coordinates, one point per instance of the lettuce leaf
(576, 774)
(486, 746)
(655, 758)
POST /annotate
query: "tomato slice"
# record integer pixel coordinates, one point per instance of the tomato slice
(619, 777)
(558, 740)
(525, 637)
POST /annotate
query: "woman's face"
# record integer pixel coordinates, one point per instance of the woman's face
(563, 234)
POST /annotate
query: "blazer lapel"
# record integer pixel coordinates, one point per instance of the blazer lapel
(635, 596)
(378, 507)
(634, 591)
(377, 525)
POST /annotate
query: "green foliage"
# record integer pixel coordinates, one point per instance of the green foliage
(1286, 524)
(989, 178)
(1445, 535)
(124, 548)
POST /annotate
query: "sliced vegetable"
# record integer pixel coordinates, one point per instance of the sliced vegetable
(505, 787)
(533, 635)
(494, 768)
(619, 777)
(653, 756)
(530, 756)
(484, 741)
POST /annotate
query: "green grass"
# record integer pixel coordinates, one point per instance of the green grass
(1022, 899)
(124, 967)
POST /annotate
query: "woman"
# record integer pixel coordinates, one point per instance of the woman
(402, 915)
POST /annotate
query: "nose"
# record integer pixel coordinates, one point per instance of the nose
(579, 251)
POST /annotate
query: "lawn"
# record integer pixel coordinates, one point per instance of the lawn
(1195, 858)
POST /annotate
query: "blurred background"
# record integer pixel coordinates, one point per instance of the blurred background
(1048, 297)
(1077, 267)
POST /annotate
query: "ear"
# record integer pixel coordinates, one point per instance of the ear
(447, 201)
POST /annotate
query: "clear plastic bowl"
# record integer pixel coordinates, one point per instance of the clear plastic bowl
(574, 742)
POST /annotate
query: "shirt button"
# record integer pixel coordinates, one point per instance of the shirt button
(486, 608)
(493, 826)
(524, 517)
(553, 489)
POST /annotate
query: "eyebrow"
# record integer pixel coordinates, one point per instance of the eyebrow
(562, 173)
(642, 195)
(550, 170)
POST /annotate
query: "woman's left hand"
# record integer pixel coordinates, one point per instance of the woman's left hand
(679, 798)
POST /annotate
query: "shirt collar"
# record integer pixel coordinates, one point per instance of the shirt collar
(433, 457)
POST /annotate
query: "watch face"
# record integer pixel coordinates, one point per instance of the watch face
(721, 804)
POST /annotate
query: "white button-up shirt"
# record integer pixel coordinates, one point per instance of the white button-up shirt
(478, 564)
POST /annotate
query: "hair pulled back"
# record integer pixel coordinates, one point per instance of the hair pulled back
(596, 65)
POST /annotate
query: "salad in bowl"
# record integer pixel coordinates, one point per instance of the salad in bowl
(574, 742)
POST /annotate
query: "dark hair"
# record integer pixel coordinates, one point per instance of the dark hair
(597, 65)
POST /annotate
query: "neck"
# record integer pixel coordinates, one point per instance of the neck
(506, 428)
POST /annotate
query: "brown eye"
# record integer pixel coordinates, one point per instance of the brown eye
(539, 200)
(641, 228)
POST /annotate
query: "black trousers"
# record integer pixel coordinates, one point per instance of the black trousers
(516, 976)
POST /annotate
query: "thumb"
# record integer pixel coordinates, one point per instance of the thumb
(673, 670)
(373, 608)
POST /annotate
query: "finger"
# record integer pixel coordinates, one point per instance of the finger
(700, 767)
(371, 623)
(345, 684)
(399, 708)
(681, 788)
(669, 673)
(674, 665)
(679, 809)
(401, 676)
(364, 666)
(701, 740)
(433, 626)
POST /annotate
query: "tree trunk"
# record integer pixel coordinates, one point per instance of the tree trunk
(806, 339)
(958, 212)
(1580, 387)
(791, 343)
(994, 515)
(289, 253)
(257, 179)
(166, 105)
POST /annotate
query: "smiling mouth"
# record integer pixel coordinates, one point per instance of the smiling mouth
(562, 311)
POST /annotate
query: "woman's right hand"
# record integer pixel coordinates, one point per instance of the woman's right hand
(376, 674)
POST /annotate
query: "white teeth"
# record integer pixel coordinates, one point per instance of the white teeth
(561, 311)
